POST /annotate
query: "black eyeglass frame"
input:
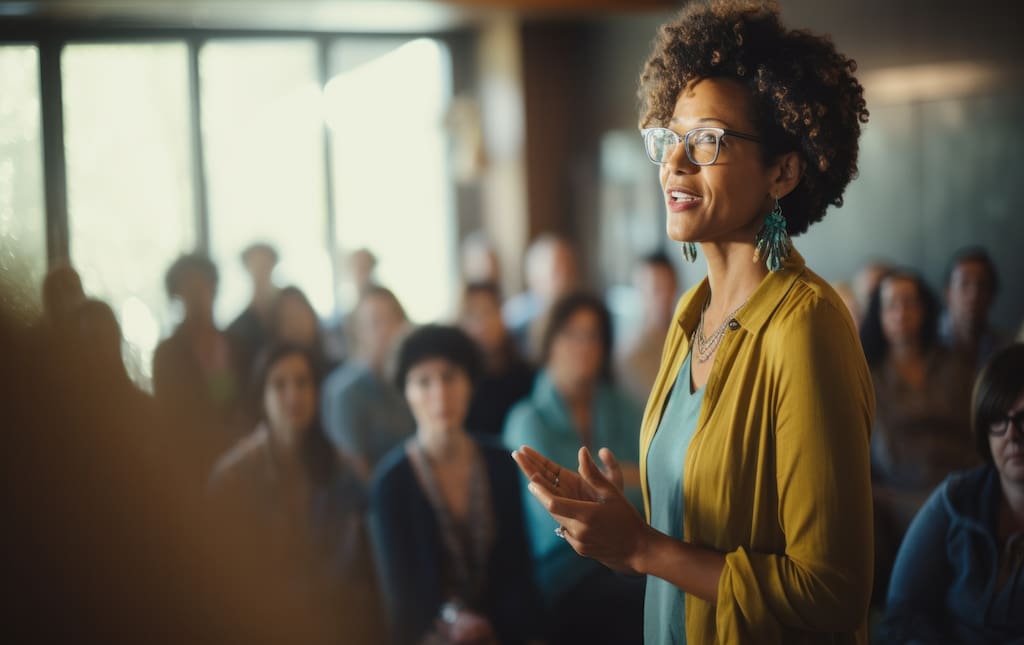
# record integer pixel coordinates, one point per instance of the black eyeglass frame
(999, 427)
(646, 133)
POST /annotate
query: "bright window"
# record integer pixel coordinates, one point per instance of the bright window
(385, 106)
(22, 217)
(129, 173)
(263, 138)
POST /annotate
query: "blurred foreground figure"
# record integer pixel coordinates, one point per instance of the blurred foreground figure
(107, 537)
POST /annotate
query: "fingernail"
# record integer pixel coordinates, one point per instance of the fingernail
(532, 488)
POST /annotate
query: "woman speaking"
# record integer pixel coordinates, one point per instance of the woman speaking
(754, 456)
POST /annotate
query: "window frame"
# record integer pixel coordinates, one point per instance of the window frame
(51, 36)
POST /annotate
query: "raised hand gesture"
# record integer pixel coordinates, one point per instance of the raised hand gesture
(593, 514)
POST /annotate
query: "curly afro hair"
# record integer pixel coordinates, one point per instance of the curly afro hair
(805, 96)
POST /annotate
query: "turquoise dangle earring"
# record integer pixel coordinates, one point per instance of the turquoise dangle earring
(689, 251)
(772, 241)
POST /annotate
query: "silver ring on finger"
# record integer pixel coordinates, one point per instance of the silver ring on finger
(560, 532)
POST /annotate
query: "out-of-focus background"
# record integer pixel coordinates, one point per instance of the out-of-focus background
(131, 131)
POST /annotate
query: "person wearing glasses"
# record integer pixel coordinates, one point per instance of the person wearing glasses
(754, 448)
(959, 575)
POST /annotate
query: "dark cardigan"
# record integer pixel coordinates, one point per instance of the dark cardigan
(409, 553)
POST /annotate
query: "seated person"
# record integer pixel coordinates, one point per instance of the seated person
(574, 404)
(197, 381)
(655, 280)
(248, 331)
(446, 513)
(959, 575)
(972, 284)
(921, 429)
(288, 480)
(506, 378)
(364, 416)
(292, 319)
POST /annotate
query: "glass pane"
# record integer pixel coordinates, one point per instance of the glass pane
(130, 192)
(385, 107)
(22, 217)
(264, 154)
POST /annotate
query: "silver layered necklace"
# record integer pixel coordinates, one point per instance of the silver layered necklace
(705, 346)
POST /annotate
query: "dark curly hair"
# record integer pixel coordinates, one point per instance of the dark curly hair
(438, 341)
(804, 94)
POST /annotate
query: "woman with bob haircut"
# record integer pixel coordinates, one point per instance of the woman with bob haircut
(446, 513)
(754, 448)
(959, 575)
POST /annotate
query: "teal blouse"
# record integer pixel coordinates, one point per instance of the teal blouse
(664, 621)
(542, 421)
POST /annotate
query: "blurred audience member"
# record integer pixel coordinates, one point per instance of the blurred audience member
(195, 377)
(551, 272)
(293, 320)
(574, 404)
(360, 267)
(90, 340)
(362, 264)
(363, 414)
(62, 292)
(446, 511)
(959, 576)
(971, 286)
(637, 364)
(849, 299)
(506, 376)
(249, 331)
(865, 281)
(922, 408)
(288, 477)
(480, 259)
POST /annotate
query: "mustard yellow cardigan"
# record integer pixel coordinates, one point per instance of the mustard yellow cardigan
(777, 476)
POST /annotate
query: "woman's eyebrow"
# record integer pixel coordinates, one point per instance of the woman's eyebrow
(706, 119)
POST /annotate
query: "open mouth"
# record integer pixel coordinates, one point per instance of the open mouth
(682, 197)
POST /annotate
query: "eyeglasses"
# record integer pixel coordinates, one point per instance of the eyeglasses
(999, 427)
(702, 145)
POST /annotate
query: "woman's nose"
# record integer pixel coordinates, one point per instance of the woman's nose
(678, 162)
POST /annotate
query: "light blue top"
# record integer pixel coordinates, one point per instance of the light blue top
(363, 415)
(664, 622)
(543, 422)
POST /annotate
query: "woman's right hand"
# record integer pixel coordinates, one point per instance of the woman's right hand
(568, 482)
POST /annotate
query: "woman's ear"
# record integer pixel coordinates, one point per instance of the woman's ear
(788, 170)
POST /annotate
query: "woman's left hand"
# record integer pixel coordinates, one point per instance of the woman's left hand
(598, 521)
